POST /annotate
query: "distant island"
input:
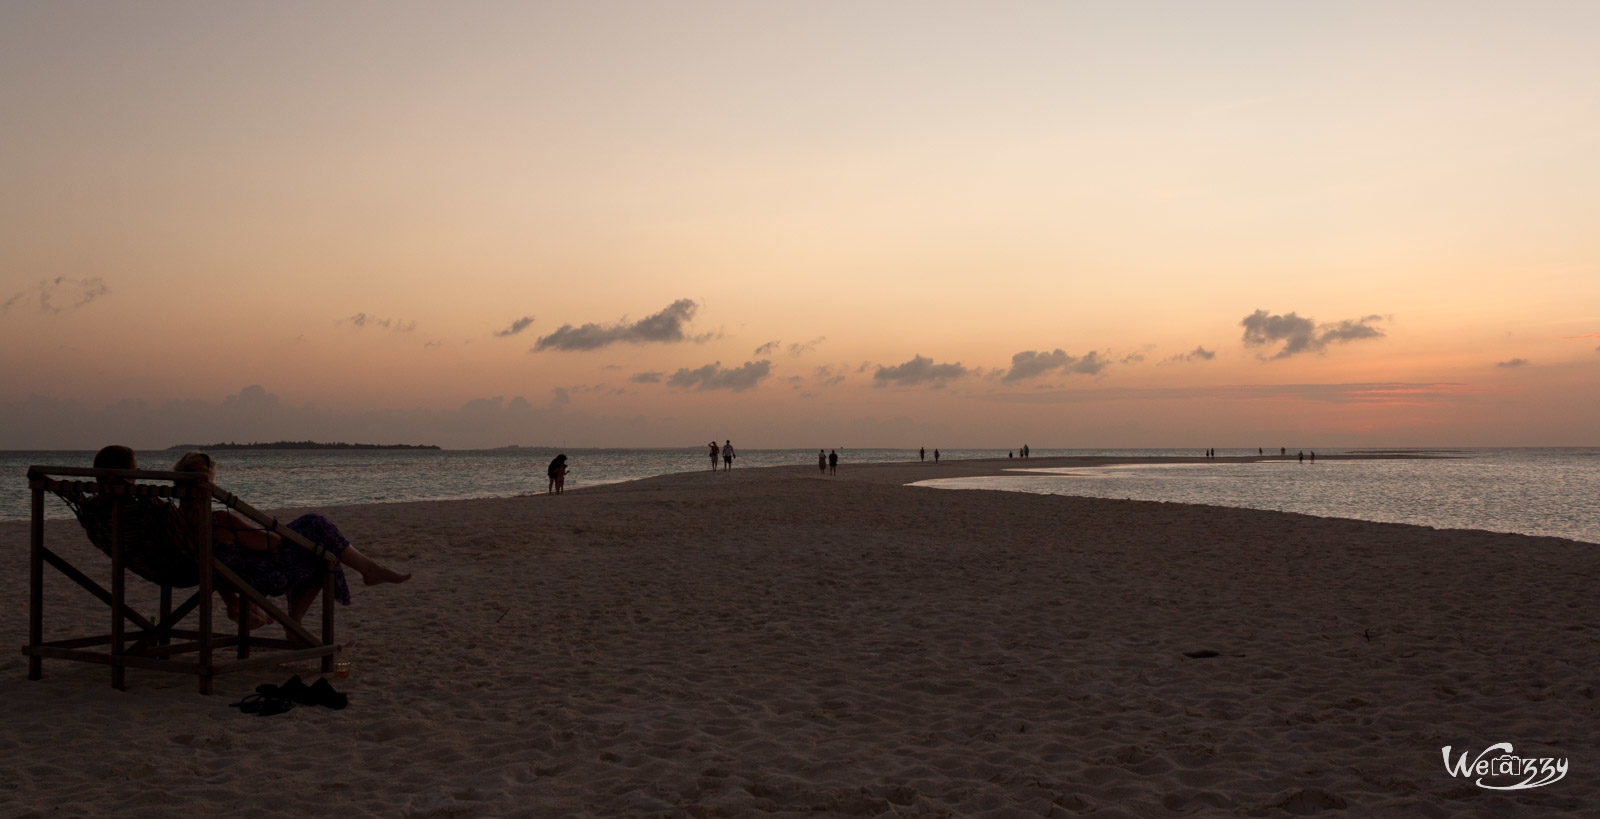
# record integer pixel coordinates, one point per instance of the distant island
(300, 445)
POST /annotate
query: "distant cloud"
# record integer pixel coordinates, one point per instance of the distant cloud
(59, 294)
(666, 326)
(1302, 335)
(646, 378)
(801, 348)
(254, 414)
(1585, 335)
(1031, 364)
(1197, 354)
(361, 321)
(1513, 363)
(715, 377)
(795, 349)
(1366, 393)
(828, 376)
(919, 370)
(516, 327)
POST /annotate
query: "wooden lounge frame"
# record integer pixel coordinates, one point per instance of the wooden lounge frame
(159, 643)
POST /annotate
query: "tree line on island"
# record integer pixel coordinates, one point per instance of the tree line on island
(299, 445)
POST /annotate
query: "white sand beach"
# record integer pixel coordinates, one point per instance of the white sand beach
(778, 642)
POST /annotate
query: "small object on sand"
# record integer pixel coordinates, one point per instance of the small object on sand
(263, 705)
(1202, 654)
(295, 691)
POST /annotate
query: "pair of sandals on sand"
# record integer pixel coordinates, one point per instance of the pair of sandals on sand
(270, 700)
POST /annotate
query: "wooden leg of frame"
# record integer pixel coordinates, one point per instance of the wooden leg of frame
(36, 584)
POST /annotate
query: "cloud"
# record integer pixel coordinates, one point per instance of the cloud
(1032, 364)
(828, 376)
(646, 378)
(59, 294)
(801, 348)
(795, 349)
(1364, 393)
(1513, 363)
(254, 414)
(361, 321)
(1302, 335)
(918, 370)
(664, 327)
(1197, 354)
(516, 327)
(714, 377)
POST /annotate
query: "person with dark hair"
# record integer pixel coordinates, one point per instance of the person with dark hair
(115, 456)
(833, 462)
(116, 512)
(822, 461)
(727, 455)
(558, 473)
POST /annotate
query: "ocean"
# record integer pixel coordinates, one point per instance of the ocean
(277, 479)
(1552, 492)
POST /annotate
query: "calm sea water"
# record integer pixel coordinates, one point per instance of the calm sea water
(276, 479)
(1528, 491)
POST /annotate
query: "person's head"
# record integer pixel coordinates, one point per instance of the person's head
(116, 456)
(197, 461)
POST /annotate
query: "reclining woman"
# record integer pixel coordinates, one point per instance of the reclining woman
(278, 567)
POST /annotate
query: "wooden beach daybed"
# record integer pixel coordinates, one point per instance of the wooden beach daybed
(131, 515)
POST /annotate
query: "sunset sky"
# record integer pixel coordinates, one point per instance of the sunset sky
(806, 224)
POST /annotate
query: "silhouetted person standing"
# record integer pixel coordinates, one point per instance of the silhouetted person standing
(558, 473)
(833, 462)
(922, 454)
(822, 461)
(727, 455)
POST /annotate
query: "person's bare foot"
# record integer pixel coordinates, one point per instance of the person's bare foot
(258, 618)
(383, 574)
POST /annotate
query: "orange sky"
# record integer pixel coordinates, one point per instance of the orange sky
(821, 224)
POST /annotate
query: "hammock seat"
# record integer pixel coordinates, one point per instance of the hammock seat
(132, 516)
